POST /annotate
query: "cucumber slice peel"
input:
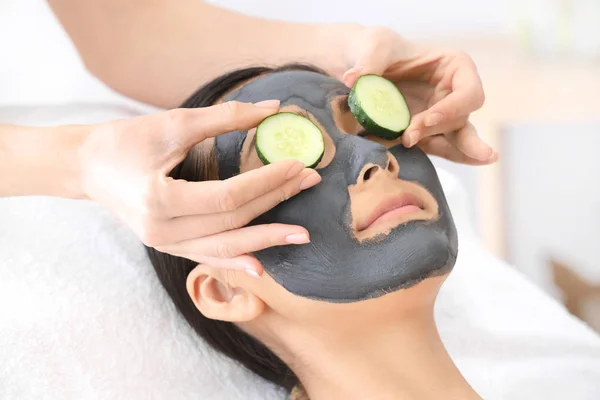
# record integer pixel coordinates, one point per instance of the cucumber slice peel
(379, 107)
(285, 136)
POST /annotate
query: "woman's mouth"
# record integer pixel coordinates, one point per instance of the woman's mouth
(400, 209)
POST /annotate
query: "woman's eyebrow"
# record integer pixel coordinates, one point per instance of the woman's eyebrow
(304, 113)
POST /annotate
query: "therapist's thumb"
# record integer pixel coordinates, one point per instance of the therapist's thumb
(226, 117)
(367, 64)
(374, 56)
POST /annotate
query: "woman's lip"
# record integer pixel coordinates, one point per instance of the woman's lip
(392, 208)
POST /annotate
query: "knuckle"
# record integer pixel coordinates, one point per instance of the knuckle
(226, 201)
(224, 250)
(284, 195)
(232, 107)
(149, 204)
(228, 115)
(234, 221)
(149, 209)
(243, 219)
(228, 222)
(231, 111)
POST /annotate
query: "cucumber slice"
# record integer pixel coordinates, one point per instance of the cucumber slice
(379, 107)
(285, 136)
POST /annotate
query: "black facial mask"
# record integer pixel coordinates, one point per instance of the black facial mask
(335, 266)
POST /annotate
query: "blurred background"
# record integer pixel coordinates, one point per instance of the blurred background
(538, 208)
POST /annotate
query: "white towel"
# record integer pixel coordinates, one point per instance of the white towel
(82, 315)
(509, 339)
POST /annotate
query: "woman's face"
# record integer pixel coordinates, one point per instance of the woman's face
(378, 221)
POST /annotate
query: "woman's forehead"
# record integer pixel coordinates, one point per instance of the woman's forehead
(302, 88)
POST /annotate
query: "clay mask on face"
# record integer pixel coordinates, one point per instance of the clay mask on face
(336, 266)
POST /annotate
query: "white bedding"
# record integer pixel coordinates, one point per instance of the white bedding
(82, 315)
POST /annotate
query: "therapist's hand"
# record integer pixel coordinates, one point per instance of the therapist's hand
(442, 88)
(125, 167)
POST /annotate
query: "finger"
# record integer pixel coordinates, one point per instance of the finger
(413, 136)
(374, 57)
(466, 97)
(194, 226)
(193, 198)
(440, 146)
(245, 262)
(467, 141)
(351, 76)
(198, 124)
(236, 243)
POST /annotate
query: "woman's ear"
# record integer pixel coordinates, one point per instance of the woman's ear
(215, 294)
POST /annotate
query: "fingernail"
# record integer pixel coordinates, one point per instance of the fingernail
(252, 273)
(411, 137)
(485, 158)
(268, 104)
(434, 119)
(297, 238)
(295, 170)
(310, 181)
(488, 150)
(351, 72)
(354, 70)
(494, 154)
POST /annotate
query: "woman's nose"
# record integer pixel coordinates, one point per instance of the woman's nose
(370, 171)
(358, 155)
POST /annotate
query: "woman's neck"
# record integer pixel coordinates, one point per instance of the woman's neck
(404, 359)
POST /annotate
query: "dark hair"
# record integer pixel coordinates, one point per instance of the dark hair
(200, 165)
